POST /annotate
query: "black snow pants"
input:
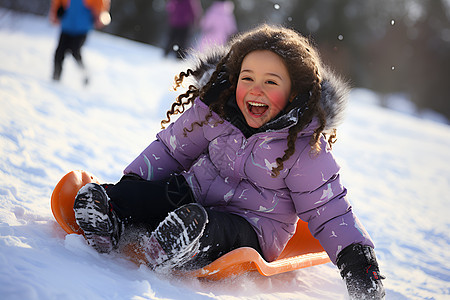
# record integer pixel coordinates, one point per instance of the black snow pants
(144, 204)
(68, 42)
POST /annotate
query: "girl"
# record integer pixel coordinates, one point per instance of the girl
(239, 167)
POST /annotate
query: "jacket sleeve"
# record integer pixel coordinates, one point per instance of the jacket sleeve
(320, 199)
(154, 163)
(97, 7)
(55, 4)
(173, 151)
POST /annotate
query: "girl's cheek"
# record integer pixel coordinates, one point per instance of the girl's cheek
(240, 93)
(278, 100)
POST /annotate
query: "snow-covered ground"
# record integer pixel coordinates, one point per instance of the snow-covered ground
(396, 167)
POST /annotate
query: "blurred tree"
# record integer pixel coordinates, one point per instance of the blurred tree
(139, 20)
(429, 61)
(390, 46)
(39, 7)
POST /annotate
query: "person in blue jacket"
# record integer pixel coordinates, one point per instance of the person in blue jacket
(76, 18)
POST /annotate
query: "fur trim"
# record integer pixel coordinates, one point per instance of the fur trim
(204, 64)
(334, 98)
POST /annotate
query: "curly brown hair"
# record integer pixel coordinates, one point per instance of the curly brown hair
(304, 66)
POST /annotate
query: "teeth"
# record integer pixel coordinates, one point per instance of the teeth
(256, 104)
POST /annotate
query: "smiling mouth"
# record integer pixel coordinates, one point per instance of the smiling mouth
(256, 108)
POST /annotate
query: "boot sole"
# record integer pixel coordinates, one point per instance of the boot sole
(91, 214)
(178, 236)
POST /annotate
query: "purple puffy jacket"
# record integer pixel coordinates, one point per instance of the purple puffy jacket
(217, 25)
(183, 13)
(232, 173)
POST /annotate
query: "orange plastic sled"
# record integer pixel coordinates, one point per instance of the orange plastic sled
(302, 250)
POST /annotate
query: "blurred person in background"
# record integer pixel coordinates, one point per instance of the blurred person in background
(183, 15)
(76, 18)
(217, 25)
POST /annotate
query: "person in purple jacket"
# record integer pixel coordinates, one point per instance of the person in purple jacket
(217, 25)
(182, 16)
(249, 155)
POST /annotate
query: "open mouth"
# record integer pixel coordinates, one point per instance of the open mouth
(256, 108)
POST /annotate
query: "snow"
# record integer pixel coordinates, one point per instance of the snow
(395, 165)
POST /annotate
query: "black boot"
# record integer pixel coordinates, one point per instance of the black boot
(176, 240)
(57, 73)
(94, 214)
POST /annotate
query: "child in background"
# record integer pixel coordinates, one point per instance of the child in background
(217, 25)
(239, 167)
(76, 18)
(182, 16)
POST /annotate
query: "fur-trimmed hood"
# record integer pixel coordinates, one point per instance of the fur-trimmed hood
(333, 97)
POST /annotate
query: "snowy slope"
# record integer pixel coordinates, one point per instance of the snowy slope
(395, 166)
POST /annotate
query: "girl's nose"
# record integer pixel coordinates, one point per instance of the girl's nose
(256, 90)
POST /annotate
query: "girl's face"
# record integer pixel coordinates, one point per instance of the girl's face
(263, 87)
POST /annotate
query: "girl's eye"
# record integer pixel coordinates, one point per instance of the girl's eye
(246, 78)
(271, 82)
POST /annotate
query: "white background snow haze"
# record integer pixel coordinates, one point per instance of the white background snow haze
(395, 166)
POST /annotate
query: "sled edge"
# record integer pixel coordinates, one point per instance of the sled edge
(245, 259)
(63, 198)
